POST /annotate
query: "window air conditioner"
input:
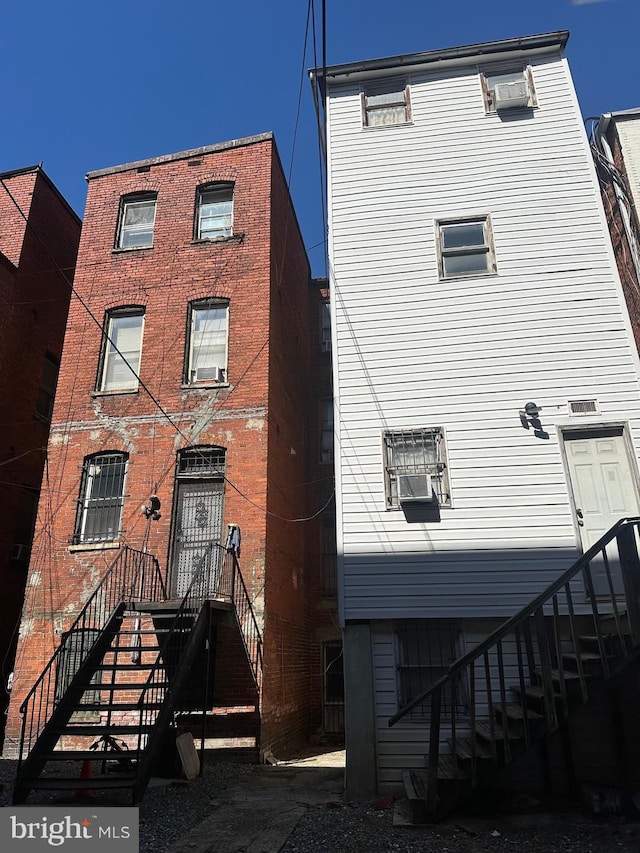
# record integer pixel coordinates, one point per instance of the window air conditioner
(208, 374)
(416, 488)
(508, 96)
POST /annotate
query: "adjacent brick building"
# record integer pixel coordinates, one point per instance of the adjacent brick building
(39, 235)
(194, 266)
(616, 149)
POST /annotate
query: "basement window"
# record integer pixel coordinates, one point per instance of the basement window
(425, 649)
(386, 102)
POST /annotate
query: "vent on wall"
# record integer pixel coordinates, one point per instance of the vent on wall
(582, 407)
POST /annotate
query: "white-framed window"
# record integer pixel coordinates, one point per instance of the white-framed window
(425, 649)
(417, 452)
(214, 215)
(137, 218)
(208, 341)
(122, 348)
(508, 89)
(386, 102)
(465, 247)
(326, 430)
(101, 498)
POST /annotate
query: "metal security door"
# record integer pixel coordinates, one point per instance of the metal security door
(604, 491)
(198, 524)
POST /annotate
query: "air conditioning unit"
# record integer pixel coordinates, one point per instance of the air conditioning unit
(508, 96)
(207, 374)
(20, 553)
(416, 488)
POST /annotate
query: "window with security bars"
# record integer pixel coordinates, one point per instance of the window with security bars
(386, 102)
(137, 220)
(207, 342)
(326, 431)
(325, 327)
(214, 215)
(202, 462)
(425, 649)
(99, 515)
(416, 452)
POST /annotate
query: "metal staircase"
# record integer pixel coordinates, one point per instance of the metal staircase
(522, 684)
(99, 715)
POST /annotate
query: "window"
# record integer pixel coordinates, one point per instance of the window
(465, 247)
(426, 648)
(515, 90)
(47, 390)
(420, 451)
(122, 346)
(386, 102)
(137, 218)
(101, 498)
(207, 345)
(215, 212)
(326, 430)
(325, 327)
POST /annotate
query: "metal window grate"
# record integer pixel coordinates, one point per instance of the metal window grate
(101, 498)
(202, 461)
(426, 648)
(416, 452)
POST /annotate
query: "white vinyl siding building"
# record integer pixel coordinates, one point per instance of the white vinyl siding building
(417, 346)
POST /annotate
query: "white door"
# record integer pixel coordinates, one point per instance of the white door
(604, 491)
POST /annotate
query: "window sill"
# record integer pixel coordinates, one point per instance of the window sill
(207, 241)
(513, 111)
(94, 546)
(369, 127)
(467, 276)
(203, 386)
(115, 393)
(123, 251)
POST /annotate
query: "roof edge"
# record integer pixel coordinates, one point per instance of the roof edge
(38, 170)
(557, 39)
(182, 155)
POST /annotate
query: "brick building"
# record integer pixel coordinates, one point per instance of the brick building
(39, 235)
(197, 393)
(615, 144)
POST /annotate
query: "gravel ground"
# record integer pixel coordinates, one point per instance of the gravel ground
(170, 812)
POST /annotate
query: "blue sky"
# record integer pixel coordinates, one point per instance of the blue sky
(90, 84)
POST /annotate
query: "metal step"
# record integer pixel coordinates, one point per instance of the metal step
(90, 755)
(98, 729)
(464, 749)
(483, 729)
(57, 783)
(106, 687)
(517, 712)
(119, 706)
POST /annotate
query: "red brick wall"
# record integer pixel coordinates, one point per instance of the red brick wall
(624, 261)
(259, 417)
(35, 300)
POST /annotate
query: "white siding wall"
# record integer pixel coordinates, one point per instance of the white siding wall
(467, 354)
(629, 132)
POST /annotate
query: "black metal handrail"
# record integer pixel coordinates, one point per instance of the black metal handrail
(245, 614)
(538, 644)
(133, 576)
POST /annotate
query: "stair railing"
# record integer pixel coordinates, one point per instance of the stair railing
(247, 622)
(533, 654)
(133, 576)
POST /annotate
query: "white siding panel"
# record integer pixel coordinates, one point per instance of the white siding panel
(466, 354)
